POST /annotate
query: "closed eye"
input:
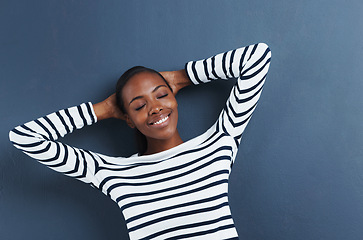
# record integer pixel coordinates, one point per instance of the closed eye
(139, 108)
(162, 96)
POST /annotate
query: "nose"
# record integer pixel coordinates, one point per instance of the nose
(155, 109)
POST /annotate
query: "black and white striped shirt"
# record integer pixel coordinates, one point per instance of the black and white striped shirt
(180, 193)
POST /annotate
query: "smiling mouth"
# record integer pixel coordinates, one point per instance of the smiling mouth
(160, 121)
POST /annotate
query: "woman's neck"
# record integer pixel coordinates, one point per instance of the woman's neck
(158, 145)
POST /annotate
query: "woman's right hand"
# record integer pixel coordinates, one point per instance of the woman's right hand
(108, 109)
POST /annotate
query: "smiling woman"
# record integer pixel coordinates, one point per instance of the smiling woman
(137, 101)
(150, 107)
(174, 189)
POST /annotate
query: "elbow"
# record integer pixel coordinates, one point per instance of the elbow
(265, 47)
(15, 137)
(12, 136)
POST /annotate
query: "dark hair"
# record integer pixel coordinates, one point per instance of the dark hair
(125, 77)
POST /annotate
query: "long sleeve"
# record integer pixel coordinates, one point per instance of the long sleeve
(38, 139)
(250, 66)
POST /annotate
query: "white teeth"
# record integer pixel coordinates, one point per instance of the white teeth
(161, 120)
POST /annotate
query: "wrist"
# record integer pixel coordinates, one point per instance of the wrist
(181, 79)
(101, 110)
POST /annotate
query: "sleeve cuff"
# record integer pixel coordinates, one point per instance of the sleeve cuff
(91, 112)
(189, 71)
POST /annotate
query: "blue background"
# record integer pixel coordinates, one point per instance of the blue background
(299, 172)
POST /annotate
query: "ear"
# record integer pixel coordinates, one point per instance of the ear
(128, 121)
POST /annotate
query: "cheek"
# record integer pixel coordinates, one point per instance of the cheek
(135, 118)
(138, 118)
(172, 103)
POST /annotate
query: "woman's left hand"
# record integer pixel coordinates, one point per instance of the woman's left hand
(176, 79)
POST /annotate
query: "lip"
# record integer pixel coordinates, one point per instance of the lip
(163, 120)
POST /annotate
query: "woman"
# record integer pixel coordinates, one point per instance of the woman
(171, 189)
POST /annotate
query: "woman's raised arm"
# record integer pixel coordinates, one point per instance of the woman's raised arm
(39, 140)
(250, 66)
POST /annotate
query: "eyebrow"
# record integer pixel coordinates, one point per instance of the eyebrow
(138, 97)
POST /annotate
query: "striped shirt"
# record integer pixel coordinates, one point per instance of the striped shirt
(180, 193)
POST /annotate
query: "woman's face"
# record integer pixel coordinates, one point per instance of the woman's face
(150, 106)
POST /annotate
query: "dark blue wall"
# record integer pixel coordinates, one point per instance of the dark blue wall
(299, 172)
